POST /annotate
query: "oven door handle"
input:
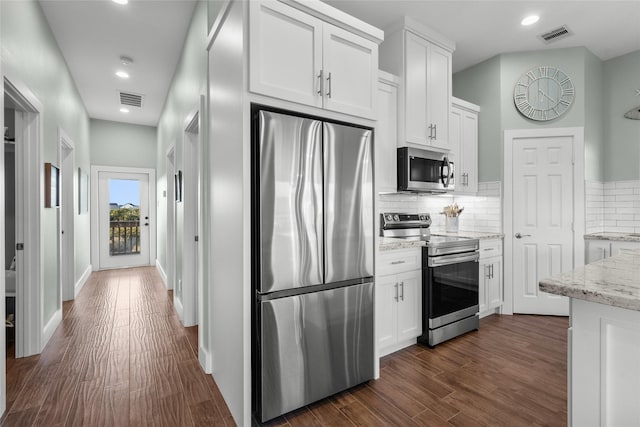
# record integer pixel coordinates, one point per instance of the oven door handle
(453, 259)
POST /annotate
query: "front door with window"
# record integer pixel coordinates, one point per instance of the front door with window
(123, 201)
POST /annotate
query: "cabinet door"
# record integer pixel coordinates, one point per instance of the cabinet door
(285, 53)
(439, 95)
(386, 311)
(415, 90)
(350, 67)
(494, 290)
(616, 247)
(597, 250)
(409, 305)
(385, 139)
(469, 155)
(484, 278)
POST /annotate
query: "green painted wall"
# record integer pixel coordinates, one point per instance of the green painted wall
(30, 54)
(481, 85)
(622, 136)
(189, 83)
(593, 117)
(490, 84)
(122, 144)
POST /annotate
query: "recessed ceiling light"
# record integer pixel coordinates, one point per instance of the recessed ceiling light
(120, 1)
(124, 110)
(122, 74)
(530, 20)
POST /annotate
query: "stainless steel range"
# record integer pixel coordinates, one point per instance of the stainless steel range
(450, 279)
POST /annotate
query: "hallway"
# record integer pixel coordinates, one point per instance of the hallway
(120, 357)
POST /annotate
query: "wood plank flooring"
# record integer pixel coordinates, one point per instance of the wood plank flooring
(512, 372)
(121, 357)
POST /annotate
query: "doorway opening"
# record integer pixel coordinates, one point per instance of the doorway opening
(67, 247)
(23, 243)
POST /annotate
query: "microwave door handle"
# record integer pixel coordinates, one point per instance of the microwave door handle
(446, 163)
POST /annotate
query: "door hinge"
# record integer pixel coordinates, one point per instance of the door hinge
(196, 238)
(19, 246)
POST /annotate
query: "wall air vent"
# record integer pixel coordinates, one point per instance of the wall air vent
(131, 99)
(556, 34)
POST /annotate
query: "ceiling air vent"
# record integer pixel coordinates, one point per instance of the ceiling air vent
(556, 34)
(131, 99)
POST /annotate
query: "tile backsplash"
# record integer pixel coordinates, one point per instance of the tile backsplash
(482, 212)
(613, 206)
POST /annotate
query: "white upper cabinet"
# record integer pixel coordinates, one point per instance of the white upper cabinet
(350, 68)
(423, 59)
(285, 53)
(296, 56)
(463, 134)
(386, 134)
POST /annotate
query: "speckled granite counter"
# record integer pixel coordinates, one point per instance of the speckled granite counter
(620, 237)
(470, 234)
(613, 281)
(390, 243)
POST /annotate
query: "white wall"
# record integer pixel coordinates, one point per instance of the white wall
(229, 237)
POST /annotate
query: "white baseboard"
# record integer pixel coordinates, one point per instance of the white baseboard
(204, 357)
(177, 305)
(82, 280)
(50, 327)
(163, 275)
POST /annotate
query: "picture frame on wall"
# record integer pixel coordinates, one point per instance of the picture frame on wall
(83, 191)
(51, 186)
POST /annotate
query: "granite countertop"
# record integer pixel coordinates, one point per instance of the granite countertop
(390, 243)
(612, 281)
(622, 237)
(470, 234)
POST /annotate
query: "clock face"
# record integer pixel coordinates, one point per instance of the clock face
(543, 93)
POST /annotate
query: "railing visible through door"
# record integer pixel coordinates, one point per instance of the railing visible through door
(124, 237)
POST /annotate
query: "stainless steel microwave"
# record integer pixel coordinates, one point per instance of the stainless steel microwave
(424, 171)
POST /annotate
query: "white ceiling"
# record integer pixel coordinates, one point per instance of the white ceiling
(93, 34)
(483, 29)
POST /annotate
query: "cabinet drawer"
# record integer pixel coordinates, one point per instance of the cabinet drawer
(397, 261)
(490, 248)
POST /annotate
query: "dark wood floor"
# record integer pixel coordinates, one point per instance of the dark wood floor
(120, 357)
(512, 372)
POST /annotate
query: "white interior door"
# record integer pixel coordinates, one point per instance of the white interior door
(542, 221)
(123, 204)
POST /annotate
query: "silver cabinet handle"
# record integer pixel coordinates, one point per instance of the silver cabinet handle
(329, 85)
(397, 262)
(491, 271)
(435, 131)
(520, 236)
(402, 294)
(320, 83)
(396, 286)
(486, 272)
(430, 127)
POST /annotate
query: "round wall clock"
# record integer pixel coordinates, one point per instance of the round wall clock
(543, 93)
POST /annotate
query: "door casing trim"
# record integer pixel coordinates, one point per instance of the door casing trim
(577, 134)
(95, 229)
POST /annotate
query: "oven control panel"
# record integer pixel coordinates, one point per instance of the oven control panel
(403, 220)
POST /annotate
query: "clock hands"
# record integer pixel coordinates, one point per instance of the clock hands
(547, 96)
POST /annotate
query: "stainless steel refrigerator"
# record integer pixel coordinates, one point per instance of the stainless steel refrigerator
(312, 260)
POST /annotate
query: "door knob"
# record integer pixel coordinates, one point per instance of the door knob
(520, 236)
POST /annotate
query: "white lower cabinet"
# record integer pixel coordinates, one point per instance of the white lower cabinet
(604, 373)
(398, 301)
(490, 277)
